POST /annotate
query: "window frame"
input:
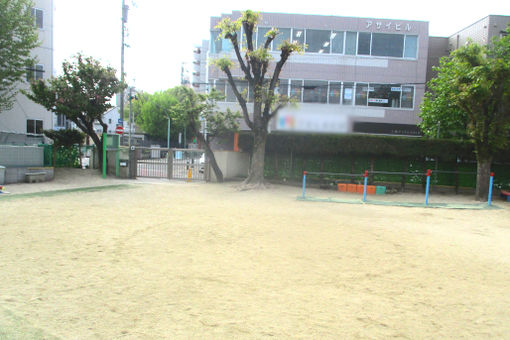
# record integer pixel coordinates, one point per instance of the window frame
(35, 128)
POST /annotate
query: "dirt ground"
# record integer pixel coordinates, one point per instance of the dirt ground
(192, 260)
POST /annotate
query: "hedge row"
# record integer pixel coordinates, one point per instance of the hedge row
(322, 145)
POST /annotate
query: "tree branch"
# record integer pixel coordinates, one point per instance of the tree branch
(240, 99)
(276, 75)
(233, 39)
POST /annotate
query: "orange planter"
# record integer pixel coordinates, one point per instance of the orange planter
(351, 187)
(360, 188)
(342, 187)
(371, 189)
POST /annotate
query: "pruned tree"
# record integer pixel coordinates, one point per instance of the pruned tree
(255, 66)
(82, 94)
(472, 91)
(18, 37)
(199, 112)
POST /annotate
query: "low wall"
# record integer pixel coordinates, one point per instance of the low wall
(123, 166)
(21, 156)
(232, 164)
(17, 174)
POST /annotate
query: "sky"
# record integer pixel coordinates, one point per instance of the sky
(161, 34)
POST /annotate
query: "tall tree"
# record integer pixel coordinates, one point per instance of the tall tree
(199, 113)
(254, 67)
(472, 93)
(82, 94)
(18, 36)
(152, 111)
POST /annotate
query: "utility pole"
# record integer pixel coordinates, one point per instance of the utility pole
(125, 9)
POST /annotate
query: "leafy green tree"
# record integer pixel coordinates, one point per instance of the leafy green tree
(199, 112)
(82, 94)
(470, 97)
(152, 112)
(18, 36)
(254, 67)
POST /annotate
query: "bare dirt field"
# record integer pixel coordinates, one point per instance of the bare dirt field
(191, 260)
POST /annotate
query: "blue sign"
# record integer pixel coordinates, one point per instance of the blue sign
(121, 121)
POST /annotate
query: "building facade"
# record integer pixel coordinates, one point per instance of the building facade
(24, 123)
(361, 75)
(356, 75)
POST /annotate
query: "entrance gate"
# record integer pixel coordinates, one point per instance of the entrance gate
(156, 162)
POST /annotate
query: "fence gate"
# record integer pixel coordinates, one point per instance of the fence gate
(156, 162)
(152, 162)
(188, 163)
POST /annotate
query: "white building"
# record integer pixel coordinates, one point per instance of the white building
(24, 123)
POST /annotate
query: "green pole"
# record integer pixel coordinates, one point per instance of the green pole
(117, 155)
(104, 154)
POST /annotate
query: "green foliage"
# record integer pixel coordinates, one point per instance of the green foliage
(186, 109)
(82, 93)
(470, 97)
(65, 138)
(229, 28)
(365, 145)
(18, 36)
(223, 63)
(152, 111)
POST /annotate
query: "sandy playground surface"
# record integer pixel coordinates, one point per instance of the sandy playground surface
(192, 260)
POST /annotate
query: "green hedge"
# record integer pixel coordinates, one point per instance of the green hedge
(287, 155)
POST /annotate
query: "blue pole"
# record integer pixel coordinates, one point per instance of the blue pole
(365, 187)
(304, 183)
(490, 187)
(427, 188)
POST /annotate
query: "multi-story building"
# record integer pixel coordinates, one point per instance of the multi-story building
(356, 75)
(24, 123)
(362, 75)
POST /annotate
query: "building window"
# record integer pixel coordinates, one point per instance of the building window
(35, 72)
(364, 40)
(384, 95)
(261, 36)
(361, 94)
(411, 46)
(407, 97)
(348, 93)
(283, 87)
(296, 87)
(38, 15)
(387, 45)
(281, 37)
(34, 126)
(351, 41)
(334, 92)
(61, 120)
(315, 91)
(219, 85)
(298, 35)
(318, 41)
(337, 42)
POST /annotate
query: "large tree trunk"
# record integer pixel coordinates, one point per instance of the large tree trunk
(256, 171)
(483, 170)
(210, 157)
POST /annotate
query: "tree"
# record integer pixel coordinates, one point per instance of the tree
(82, 94)
(198, 111)
(152, 111)
(472, 93)
(254, 68)
(18, 36)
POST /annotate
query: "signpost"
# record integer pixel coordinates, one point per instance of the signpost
(119, 130)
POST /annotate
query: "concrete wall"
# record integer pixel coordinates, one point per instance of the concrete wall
(111, 163)
(20, 156)
(17, 174)
(232, 164)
